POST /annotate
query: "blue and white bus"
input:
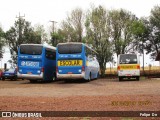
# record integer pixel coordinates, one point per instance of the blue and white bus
(76, 61)
(36, 62)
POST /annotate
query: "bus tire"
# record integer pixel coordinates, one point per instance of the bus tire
(97, 75)
(120, 78)
(33, 81)
(54, 77)
(137, 78)
(3, 78)
(89, 78)
(15, 78)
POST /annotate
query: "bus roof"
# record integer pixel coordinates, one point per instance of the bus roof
(46, 46)
(78, 43)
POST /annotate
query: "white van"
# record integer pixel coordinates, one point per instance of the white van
(128, 66)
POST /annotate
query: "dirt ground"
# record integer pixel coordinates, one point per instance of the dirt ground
(96, 95)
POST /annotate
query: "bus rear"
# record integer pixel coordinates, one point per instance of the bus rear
(30, 61)
(70, 59)
(128, 66)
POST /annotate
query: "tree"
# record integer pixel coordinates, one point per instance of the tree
(56, 38)
(2, 42)
(20, 33)
(153, 44)
(97, 34)
(72, 27)
(120, 22)
(40, 31)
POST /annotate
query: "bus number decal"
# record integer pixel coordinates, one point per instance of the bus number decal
(29, 63)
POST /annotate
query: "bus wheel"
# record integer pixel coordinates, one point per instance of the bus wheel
(97, 76)
(54, 77)
(89, 78)
(33, 81)
(137, 78)
(15, 78)
(120, 78)
(3, 78)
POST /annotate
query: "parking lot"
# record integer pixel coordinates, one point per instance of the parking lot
(101, 94)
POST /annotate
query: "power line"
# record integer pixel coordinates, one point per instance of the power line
(20, 16)
(53, 25)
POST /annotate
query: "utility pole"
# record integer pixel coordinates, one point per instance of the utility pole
(53, 25)
(20, 28)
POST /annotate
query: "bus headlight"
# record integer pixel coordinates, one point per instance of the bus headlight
(80, 70)
(20, 70)
(38, 71)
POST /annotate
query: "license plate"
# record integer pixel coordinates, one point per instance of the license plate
(70, 63)
(29, 73)
(6, 74)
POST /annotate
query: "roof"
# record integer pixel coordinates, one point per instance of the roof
(158, 57)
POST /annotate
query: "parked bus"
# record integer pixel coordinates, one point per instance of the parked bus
(128, 66)
(36, 62)
(76, 61)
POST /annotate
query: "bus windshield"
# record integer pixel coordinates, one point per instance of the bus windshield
(69, 48)
(31, 49)
(128, 59)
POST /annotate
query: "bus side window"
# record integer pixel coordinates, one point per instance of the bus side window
(50, 54)
(88, 53)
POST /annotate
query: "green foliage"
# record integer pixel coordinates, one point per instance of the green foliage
(40, 31)
(120, 22)
(140, 30)
(56, 38)
(2, 42)
(72, 27)
(20, 33)
(153, 45)
(97, 34)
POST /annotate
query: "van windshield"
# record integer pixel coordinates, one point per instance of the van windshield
(128, 59)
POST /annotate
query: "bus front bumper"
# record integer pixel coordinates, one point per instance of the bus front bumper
(71, 76)
(30, 76)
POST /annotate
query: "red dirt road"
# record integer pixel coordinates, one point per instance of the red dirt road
(97, 95)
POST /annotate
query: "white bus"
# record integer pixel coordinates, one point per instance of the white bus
(128, 66)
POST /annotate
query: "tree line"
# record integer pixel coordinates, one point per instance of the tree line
(108, 31)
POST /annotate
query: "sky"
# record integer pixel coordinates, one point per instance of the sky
(43, 11)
